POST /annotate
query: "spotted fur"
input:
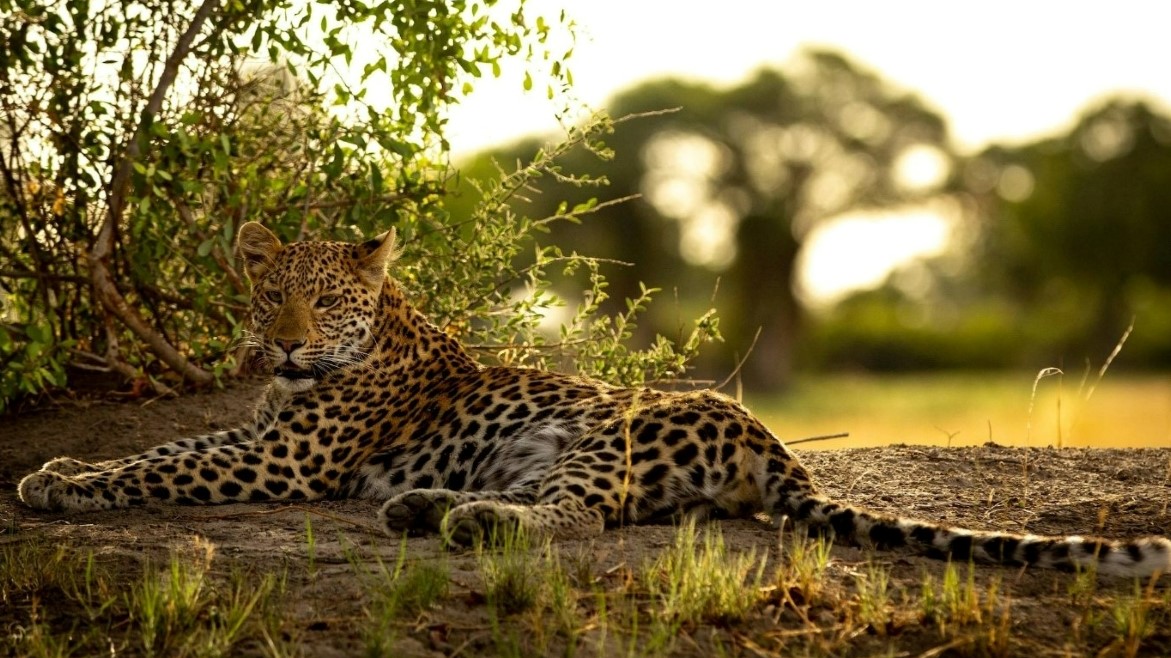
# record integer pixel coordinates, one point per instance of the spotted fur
(370, 400)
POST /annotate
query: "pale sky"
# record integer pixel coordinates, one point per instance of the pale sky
(998, 70)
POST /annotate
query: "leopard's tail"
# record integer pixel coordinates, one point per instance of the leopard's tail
(1134, 558)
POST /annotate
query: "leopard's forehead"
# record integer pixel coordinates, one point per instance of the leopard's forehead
(315, 264)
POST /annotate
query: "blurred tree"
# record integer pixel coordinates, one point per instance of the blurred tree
(734, 180)
(1077, 228)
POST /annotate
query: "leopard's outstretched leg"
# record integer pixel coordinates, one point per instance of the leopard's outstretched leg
(70, 466)
(262, 418)
(254, 471)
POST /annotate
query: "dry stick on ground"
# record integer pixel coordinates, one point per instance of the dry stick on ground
(822, 437)
(104, 285)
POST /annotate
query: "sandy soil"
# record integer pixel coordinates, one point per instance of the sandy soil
(1047, 491)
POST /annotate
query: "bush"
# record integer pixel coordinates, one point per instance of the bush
(136, 138)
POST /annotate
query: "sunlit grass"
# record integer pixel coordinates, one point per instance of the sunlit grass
(397, 593)
(64, 603)
(698, 578)
(971, 409)
(874, 598)
(695, 594)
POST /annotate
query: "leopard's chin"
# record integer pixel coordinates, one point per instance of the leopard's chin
(294, 384)
(293, 373)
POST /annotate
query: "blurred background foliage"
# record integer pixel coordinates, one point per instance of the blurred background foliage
(1055, 246)
(137, 137)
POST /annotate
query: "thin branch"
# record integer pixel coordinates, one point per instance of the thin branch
(42, 276)
(514, 275)
(104, 285)
(217, 253)
(695, 384)
(120, 181)
(344, 203)
(583, 213)
(524, 346)
(645, 115)
(740, 364)
(823, 437)
(179, 301)
(116, 363)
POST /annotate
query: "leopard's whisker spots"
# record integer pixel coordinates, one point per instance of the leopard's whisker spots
(370, 399)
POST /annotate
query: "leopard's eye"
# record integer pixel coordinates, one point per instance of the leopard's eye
(274, 296)
(326, 301)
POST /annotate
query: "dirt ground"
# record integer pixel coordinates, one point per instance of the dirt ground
(1118, 493)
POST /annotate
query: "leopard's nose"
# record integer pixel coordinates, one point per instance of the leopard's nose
(289, 346)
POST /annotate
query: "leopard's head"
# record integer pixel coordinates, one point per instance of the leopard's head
(314, 304)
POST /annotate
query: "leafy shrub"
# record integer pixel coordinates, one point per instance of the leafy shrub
(136, 138)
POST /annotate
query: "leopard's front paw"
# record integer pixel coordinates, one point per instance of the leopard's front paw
(474, 523)
(43, 490)
(69, 466)
(414, 512)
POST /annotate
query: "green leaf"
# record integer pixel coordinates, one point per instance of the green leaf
(376, 178)
(37, 333)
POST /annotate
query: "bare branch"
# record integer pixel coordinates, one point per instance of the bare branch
(42, 276)
(823, 437)
(104, 285)
(740, 363)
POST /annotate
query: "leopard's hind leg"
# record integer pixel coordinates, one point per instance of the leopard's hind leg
(675, 455)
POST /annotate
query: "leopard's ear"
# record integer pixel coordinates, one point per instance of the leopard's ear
(258, 247)
(374, 256)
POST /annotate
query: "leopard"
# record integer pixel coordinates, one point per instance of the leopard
(369, 399)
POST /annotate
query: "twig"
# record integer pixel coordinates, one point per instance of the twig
(104, 285)
(695, 384)
(518, 346)
(740, 364)
(217, 252)
(596, 207)
(645, 115)
(858, 479)
(42, 276)
(944, 648)
(823, 437)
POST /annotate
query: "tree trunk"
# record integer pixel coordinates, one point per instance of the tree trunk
(762, 295)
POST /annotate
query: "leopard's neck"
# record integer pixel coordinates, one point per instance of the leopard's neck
(407, 339)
